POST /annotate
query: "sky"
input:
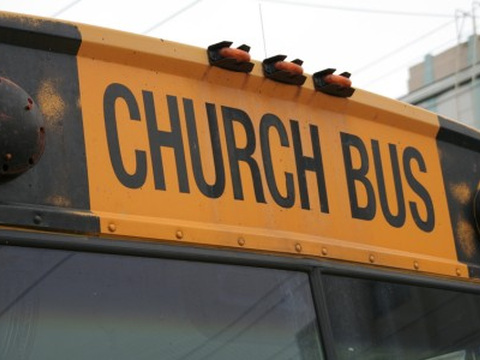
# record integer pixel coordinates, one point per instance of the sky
(375, 40)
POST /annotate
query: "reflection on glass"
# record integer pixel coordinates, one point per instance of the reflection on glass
(63, 305)
(380, 320)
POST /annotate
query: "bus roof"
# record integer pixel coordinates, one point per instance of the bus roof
(142, 138)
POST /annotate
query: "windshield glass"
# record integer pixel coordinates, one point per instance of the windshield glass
(381, 320)
(71, 305)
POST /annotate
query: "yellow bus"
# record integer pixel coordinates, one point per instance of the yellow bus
(161, 201)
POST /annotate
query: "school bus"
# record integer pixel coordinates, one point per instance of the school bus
(161, 201)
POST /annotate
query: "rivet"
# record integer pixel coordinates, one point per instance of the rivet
(179, 234)
(324, 251)
(371, 258)
(458, 272)
(241, 241)
(112, 227)
(29, 105)
(416, 265)
(37, 219)
(298, 247)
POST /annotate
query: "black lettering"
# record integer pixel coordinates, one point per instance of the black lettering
(397, 220)
(112, 93)
(236, 154)
(216, 189)
(359, 175)
(305, 164)
(159, 139)
(428, 224)
(268, 122)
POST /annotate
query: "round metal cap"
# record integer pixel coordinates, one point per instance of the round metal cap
(22, 131)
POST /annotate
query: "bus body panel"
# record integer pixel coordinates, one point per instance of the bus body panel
(146, 140)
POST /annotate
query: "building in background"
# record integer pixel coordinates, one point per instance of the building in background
(449, 83)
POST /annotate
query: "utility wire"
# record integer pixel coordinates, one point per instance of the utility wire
(404, 65)
(174, 15)
(61, 11)
(358, 9)
(263, 30)
(401, 48)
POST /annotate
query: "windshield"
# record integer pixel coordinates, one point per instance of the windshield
(72, 305)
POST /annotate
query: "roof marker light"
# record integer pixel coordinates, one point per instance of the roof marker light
(336, 85)
(277, 69)
(223, 56)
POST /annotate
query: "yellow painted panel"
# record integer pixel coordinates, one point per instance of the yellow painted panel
(363, 172)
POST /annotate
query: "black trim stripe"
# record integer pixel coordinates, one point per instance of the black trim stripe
(459, 149)
(458, 134)
(192, 253)
(39, 34)
(50, 218)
